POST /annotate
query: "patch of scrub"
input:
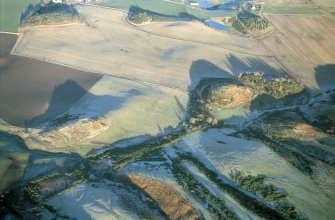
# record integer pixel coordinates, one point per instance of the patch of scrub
(227, 153)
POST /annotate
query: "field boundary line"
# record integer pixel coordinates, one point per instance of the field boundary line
(6, 32)
(18, 41)
(101, 73)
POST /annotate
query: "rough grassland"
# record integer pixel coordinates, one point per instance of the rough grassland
(114, 47)
(10, 12)
(301, 44)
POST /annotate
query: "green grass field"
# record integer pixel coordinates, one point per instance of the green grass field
(10, 12)
(291, 10)
(166, 8)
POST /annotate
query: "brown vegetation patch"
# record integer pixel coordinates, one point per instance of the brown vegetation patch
(230, 96)
(306, 131)
(170, 201)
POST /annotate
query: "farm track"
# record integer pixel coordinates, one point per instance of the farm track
(138, 28)
(192, 41)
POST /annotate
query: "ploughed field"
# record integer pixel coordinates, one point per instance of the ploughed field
(305, 45)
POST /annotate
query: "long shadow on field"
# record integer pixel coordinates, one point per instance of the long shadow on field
(237, 65)
(203, 69)
(66, 94)
(325, 76)
(26, 86)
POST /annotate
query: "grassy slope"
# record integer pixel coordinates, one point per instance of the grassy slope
(10, 12)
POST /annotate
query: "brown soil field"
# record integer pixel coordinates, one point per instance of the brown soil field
(112, 46)
(28, 91)
(170, 200)
(305, 45)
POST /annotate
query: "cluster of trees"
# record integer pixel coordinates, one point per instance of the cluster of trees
(142, 17)
(237, 25)
(139, 152)
(33, 190)
(52, 14)
(246, 20)
(279, 87)
(252, 21)
(191, 184)
(257, 184)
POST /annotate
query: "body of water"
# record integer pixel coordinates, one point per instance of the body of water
(217, 25)
(205, 4)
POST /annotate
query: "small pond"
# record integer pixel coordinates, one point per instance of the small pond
(217, 25)
(205, 4)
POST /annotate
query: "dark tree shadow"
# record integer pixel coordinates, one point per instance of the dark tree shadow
(29, 86)
(67, 94)
(250, 64)
(14, 149)
(203, 69)
(325, 76)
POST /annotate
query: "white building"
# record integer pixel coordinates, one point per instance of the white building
(57, 1)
